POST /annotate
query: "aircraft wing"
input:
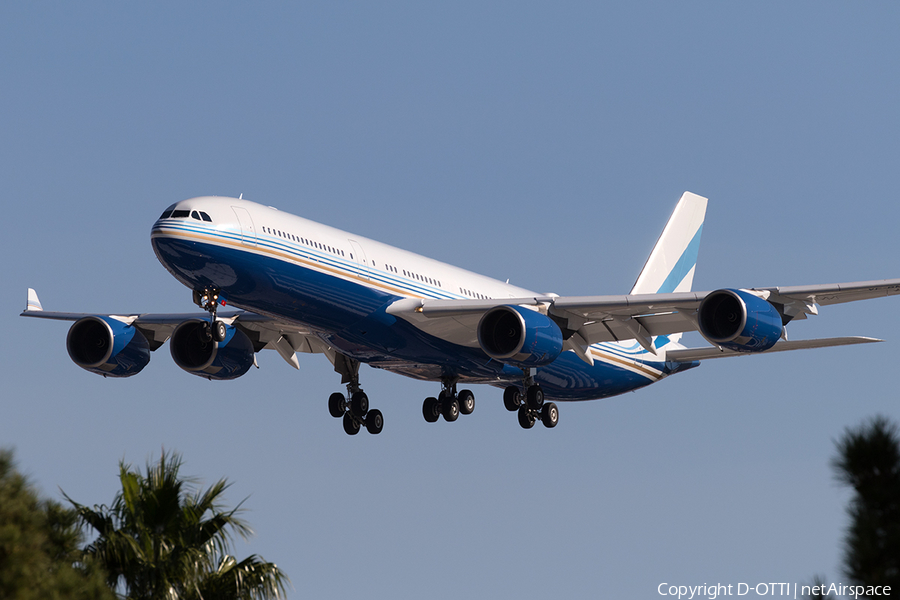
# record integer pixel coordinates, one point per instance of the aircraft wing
(593, 319)
(264, 332)
(691, 354)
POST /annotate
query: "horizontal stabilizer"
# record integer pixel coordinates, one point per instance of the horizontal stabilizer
(689, 354)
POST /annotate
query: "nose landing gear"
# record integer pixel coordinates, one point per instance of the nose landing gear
(209, 300)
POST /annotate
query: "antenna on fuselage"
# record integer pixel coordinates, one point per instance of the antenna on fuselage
(241, 197)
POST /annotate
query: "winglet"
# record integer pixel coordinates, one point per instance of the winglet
(671, 265)
(33, 303)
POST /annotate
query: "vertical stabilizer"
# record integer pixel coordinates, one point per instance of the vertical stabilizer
(671, 265)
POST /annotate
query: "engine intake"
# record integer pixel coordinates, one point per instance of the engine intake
(108, 347)
(739, 321)
(519, 336)
(199, 355)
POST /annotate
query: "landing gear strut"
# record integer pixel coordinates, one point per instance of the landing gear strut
(209, 299)
(449, 403)
(354, 407)
(530, 406)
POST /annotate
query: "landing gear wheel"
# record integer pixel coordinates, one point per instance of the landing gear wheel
(466, 402)
(374, 421)
(534, 397)
(450, 410)
(526, 418)
(351, 425)
(336, 405)
(359, 404)
(431, 410)
(512, 398)
(219, 331)
(550, 415)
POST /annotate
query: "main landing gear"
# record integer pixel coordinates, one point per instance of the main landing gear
(449, 403)
(354, 411)
(532, 407)
(209, 299)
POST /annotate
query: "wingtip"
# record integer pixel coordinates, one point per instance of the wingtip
(33, 304)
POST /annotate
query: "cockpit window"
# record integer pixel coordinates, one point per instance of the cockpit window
(181, 214)
(195, 215)
(205, 217)
(167, 213)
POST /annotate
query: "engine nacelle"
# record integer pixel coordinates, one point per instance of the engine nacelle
(739, 321)
(194, 352)
(519, 336)
(108, 347)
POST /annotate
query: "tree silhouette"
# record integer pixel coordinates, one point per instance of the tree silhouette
(163, 539)
(40, 545)
(868, 460)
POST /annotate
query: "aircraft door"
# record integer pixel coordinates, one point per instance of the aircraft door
(359, 256)
(248, 232)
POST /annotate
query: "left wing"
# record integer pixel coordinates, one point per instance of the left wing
(587, 320)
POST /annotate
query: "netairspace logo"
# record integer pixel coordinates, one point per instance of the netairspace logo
(790, 590)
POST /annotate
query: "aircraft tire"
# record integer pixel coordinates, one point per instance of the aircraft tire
(450, 410)
(336, 405)
(431, 410)
(374, 421)
(534, 397)
(351, 425)
(466, 402)
(550, 415)
(526, 418)
(219, 331)
(512, 398)
(359, 404)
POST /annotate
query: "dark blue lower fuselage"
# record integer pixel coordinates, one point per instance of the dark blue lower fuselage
(351, 317)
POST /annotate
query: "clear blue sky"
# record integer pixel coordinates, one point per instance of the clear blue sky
(542, 144)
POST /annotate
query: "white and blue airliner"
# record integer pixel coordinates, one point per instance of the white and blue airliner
(305, 287)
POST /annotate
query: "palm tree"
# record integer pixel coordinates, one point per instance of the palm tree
(162, 539)
(868, 460)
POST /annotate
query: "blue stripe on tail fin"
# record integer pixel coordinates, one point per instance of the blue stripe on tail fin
(671, 265)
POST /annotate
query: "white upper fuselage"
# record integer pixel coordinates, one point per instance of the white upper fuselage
(344, 254)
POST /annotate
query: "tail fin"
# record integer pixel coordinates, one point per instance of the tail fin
(671, 265)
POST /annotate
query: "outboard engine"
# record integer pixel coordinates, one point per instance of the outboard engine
(519, 336)
(107, 346)
(194, 351)
(740, 321)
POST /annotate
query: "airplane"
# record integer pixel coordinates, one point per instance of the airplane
(302, 286)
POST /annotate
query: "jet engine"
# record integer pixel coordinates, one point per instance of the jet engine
(519, 336)
(739, 321)
(107, 346)
(195, 351)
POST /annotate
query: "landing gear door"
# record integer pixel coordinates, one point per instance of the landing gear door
(360, 257)
(248, 232)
